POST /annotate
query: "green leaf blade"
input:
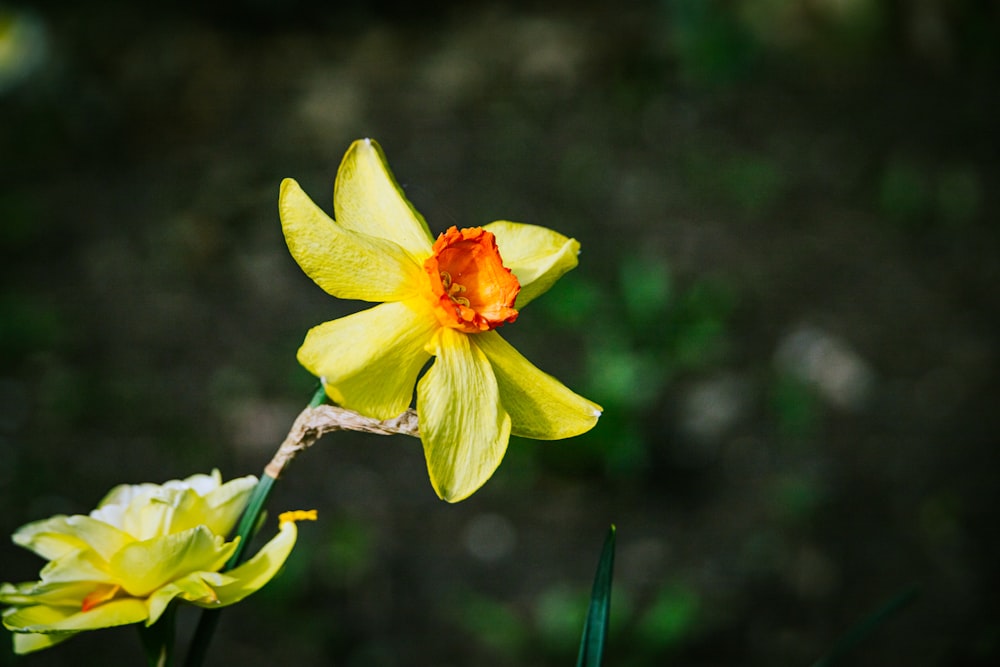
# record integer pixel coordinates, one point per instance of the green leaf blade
(595, 628)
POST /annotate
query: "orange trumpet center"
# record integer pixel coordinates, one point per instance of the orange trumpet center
(471, 289)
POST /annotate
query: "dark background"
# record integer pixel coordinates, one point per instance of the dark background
(786, 304)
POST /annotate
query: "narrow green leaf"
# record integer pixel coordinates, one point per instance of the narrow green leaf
(850, 640)
(595, 628)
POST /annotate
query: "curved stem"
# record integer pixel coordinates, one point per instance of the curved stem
(245, 530)
(313, 422)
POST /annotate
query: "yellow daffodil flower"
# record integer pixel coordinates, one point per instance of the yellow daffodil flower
(143, 546)
(441, 298)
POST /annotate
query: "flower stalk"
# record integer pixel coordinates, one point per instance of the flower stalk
(313, 422)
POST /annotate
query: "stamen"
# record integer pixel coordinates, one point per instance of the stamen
(296, 515)
(453, 289)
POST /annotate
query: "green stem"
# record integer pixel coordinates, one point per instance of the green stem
(210, 617)
(158, 639)
(319, 397)
(251, 517)
(245, 531)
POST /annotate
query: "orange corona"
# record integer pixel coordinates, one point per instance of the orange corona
(470, 288)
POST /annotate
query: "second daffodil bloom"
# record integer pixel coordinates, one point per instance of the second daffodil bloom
(442, 298)
(144, 546)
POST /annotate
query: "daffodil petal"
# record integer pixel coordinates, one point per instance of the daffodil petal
(253, 574)
(153, 514)
(191, 588)
(29, 642)
(85, 587)
(537, 255)
(226, 504)
(59, 594)
(200, 482)
(369, 361)
(45, 619)
(463, 425)
(112, 509)
(36, 618)
(367, 199)
(58, 535)
(83, 565)
(345, 263)
(540, 406)
(217, 509)
(121, 496)
(142, 567)
(49, 538)
(25, 642)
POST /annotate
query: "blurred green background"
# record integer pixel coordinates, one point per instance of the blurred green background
(786, 303)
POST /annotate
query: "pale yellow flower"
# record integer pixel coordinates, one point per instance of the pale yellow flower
(441, 299)
(144, 546)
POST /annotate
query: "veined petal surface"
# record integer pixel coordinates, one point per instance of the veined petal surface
(345, 263)
(367, 199)
(369, 361)
(58, 619)
(463, 426)
(540, 406)
(59, 594)
(55, 537)
(537, 255)
(83, 565)
(31, 617)
(142, 567)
